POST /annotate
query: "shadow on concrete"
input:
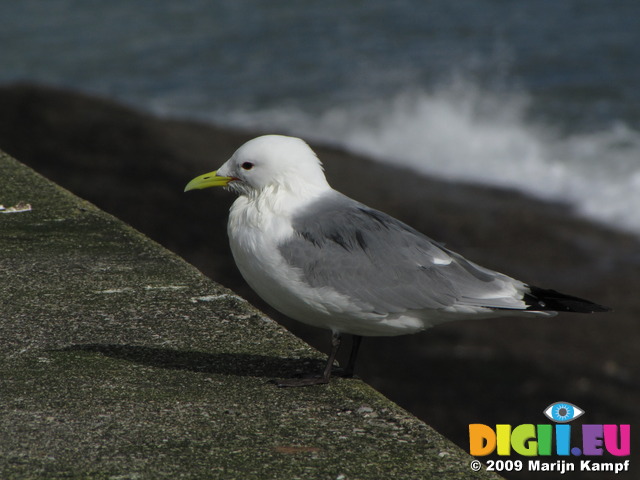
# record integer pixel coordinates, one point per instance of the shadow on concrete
(239, 364)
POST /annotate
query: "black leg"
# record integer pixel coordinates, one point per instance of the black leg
(355, 346)
(326, 375)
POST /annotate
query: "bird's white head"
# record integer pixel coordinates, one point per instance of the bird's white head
(270, 162)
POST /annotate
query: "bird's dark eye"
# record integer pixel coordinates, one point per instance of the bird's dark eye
(247, 165)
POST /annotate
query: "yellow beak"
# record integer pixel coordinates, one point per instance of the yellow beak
(207, 180)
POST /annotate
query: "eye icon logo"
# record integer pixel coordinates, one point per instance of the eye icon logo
(563, 412)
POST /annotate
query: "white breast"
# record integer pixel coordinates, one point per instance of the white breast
(254, 235)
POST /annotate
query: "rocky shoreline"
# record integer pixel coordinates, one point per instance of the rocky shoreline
(135, 166)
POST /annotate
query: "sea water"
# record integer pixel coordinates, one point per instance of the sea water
(537, 95)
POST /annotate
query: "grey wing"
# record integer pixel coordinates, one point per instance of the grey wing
(385, 266)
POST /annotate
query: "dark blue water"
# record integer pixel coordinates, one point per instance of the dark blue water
(539, 95)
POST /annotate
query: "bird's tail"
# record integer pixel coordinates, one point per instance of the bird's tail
(541, 299)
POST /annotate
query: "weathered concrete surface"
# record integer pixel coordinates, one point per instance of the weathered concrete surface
(118, 360)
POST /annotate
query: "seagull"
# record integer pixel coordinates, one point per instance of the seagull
(324, 259)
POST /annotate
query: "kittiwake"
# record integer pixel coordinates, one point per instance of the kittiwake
(324, 259)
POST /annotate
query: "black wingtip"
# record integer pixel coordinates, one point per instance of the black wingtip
(542, 299)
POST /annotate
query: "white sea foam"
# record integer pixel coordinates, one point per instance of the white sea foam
(461, 132)
(419, 118)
